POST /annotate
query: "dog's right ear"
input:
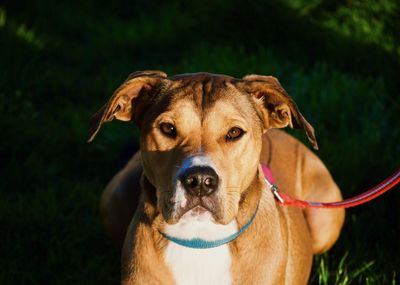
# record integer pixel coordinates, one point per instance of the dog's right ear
(139, 83)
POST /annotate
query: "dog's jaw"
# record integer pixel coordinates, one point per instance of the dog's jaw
(199, 224)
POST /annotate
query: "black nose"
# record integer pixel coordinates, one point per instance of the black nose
(200, 180)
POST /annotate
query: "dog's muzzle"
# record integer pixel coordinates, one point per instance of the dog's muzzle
(197, 189)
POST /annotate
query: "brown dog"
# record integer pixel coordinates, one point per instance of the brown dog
(198, 175)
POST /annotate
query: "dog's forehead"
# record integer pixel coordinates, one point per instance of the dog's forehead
(202, 94)
(204, 90)
(203, 76)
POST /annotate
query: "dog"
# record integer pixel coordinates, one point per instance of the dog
(197, 179)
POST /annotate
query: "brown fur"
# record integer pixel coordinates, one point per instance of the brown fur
(278, 247)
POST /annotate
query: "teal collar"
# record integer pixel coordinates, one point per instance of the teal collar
(202, 244)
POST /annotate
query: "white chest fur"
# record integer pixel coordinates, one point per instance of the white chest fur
(199, 266)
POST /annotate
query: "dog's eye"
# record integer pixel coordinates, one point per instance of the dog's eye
(168, 129)
(234, 134)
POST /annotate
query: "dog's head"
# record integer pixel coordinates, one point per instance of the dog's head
(201, 135)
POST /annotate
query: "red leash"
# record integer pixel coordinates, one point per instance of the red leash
(365, 197)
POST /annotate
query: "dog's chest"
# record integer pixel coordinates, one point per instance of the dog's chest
(199, 266)
(191, 266)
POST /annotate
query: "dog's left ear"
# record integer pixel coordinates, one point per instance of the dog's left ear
(278, 109)
(126, 99)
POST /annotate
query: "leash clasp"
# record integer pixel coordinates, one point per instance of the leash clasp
(277, 195)
(274, 190)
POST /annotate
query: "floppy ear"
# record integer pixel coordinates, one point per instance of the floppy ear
(278, 109)
(121, 102)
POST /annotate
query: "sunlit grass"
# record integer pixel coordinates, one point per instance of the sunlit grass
(344, 274)
(372, 22)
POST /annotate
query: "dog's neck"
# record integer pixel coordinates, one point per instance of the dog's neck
(149, 198)
(250, 198)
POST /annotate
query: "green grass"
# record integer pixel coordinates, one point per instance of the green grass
(61, 62)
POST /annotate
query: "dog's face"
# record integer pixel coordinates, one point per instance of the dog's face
(201, 136)
(201, 147)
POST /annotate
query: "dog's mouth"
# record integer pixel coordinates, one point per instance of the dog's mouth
(198, 213)
(196, 210)
(196, 207)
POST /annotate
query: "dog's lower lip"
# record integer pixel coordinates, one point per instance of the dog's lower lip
(197, 209)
